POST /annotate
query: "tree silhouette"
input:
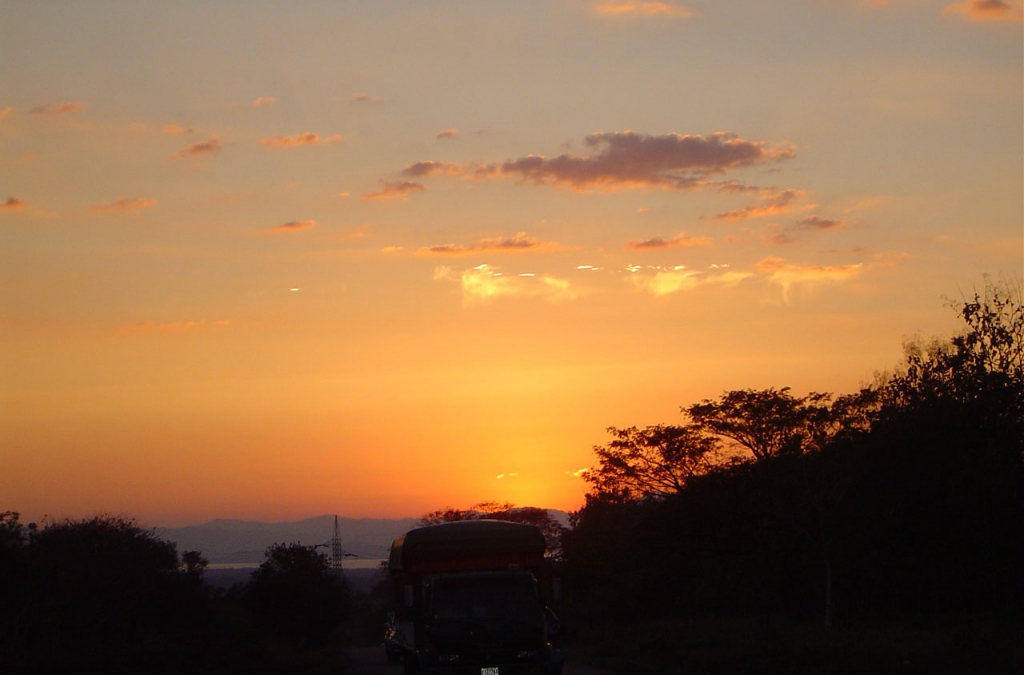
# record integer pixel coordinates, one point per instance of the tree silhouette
(296, 595)
(528, 515)
(654, 461)
(768, 422)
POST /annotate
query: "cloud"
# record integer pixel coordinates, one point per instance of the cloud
(4, 112)
(263, 100)
(777, 201)
(431, 168)
(623, 160)
(665, 9)
(12, 204)
(484, 283)
(818, 223)
(519, 242)
(395, 190)
(294, 226)
(124, 204)
(366, 98)
(448, 133)
(336, 138)
(175, 129)
(59, 109)
(307, 138)
(985, 10)
(628, 159)
(202, 148)
(680, 239)
(789, 275)
(156, 327)
(666, 280)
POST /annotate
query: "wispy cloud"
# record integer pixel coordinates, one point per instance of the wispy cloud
(660, 281)
(776, 202)
(519, 242)
(484, 283)
(816, 222)
(623, 159)
(175, 129)
(366, 98)
(431, 168)
(985, 10)
(681, 239)
(202, 148)
(58, 109)
(789, 275)
(156, 327)
(400, 190)
(294, 226)
(657, 9)
(4, 112)
(12, 204)
(447, 133)
(307, 138)
(124, 204)
(263, 100)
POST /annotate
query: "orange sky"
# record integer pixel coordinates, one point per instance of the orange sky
(377, 258)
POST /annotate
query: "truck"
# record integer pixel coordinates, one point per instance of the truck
(471, 599)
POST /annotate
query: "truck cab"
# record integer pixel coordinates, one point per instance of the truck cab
(471, 600)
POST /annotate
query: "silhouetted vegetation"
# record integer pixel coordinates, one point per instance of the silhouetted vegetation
(905, 499)
(527, 515)
(105, 595)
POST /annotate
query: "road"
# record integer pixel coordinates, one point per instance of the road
(371, 661)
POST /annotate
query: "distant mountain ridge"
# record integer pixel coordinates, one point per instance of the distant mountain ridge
(241, 541)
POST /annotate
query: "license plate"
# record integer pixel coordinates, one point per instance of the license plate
(488, 671)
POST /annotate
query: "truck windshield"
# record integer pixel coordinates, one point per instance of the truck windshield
(497, 597)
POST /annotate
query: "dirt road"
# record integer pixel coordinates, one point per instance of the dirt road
(371, 661)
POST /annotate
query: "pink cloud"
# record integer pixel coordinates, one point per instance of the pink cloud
(819, 223)
(776, 203)
(431, 168)
(395, 190)
(12, 203)
(263, 100)
(624, 160)
(124, 204)
(519, 242)
(307, 138)
(4, 112)
(985, 10)
(294, 226)
(175, 129)
(59, 109)
(681, 239)
(447, 133)
(366, 98)
(202, 148)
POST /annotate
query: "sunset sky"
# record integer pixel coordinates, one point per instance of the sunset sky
(270, 260)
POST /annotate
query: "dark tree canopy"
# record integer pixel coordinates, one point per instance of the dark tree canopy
(654, 461)
(296, 593)
(528, 515)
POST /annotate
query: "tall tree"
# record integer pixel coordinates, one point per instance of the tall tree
(655, 461)
(768, 422)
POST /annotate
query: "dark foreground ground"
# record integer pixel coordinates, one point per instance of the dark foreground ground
(371, 661)
(961, 644)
